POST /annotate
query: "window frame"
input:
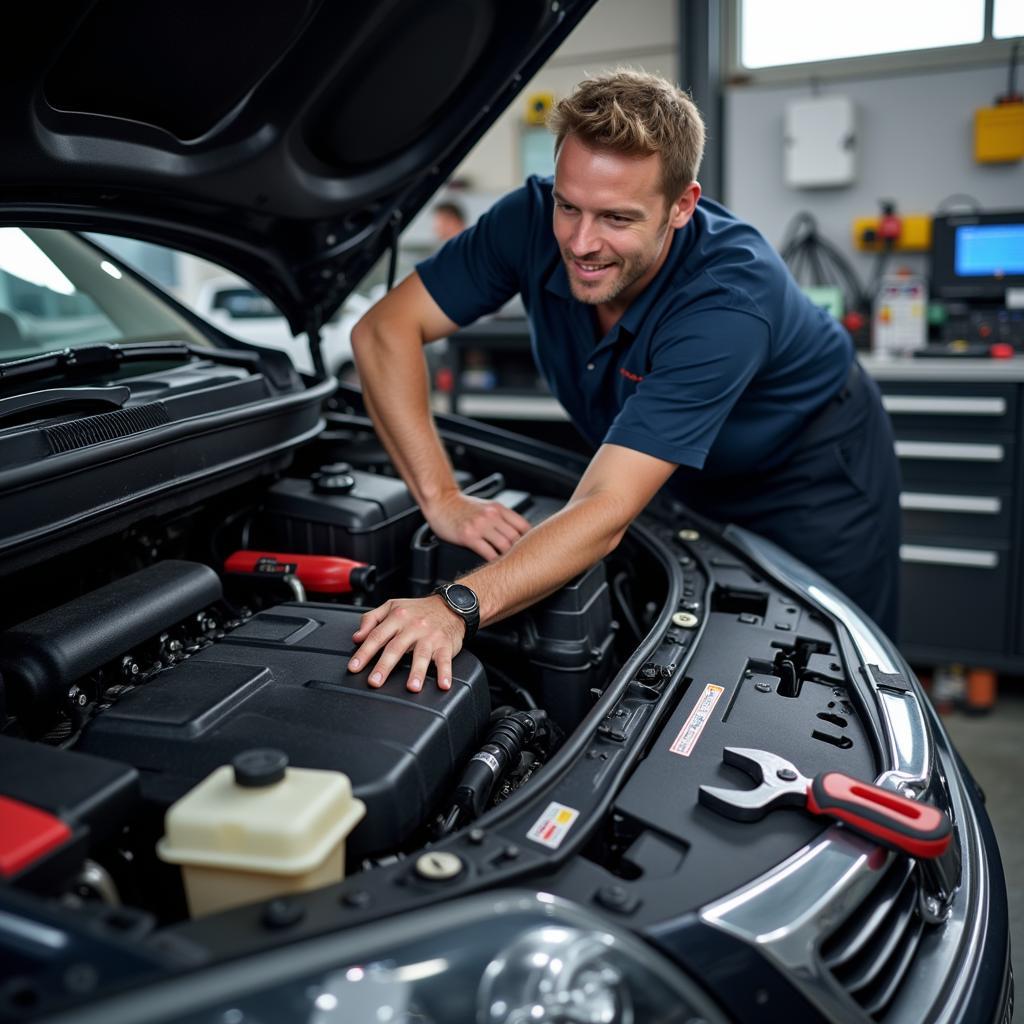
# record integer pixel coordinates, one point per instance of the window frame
(987, 52)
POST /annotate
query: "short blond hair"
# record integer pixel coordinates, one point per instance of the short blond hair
(635, 113)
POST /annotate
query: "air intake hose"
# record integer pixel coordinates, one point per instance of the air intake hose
(508, 738)
(41, 659)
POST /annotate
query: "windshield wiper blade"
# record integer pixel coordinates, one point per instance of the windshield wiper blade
(89, 359)
(33, 402)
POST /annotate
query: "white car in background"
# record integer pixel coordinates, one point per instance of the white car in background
(243, 312)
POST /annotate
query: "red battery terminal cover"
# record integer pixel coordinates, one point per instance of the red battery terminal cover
(27, 834)
(321, 574)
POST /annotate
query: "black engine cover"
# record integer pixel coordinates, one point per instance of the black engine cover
(280, 681)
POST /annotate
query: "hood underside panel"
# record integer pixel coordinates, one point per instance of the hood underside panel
(288, 141)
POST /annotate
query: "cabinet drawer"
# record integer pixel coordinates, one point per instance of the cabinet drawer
(954, 597)
(950, 407)
(933, 463)
(959, 514)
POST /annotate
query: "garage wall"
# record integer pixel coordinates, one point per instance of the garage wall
(641, 34)
(915, 146)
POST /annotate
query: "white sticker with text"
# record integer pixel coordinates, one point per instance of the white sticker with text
(699, 717)
(553, 825)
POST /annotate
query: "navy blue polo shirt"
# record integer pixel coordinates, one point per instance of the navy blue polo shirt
(715, 366)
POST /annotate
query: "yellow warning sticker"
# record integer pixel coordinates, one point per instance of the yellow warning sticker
(698, 718)
(553, 825)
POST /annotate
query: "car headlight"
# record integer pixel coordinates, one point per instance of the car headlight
(556, 973)
(500, 958)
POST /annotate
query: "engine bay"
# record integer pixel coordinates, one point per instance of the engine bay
(204, 642)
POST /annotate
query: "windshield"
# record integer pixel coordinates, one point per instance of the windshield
(57, 291)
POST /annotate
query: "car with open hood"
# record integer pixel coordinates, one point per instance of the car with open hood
(203, 816)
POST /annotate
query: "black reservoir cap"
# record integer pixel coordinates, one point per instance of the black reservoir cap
(263, 766)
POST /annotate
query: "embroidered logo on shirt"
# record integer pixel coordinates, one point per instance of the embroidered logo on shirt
(635, 377)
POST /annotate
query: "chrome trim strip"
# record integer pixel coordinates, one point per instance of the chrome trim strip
(924, 554)
(927, 405)
(976, 504)
(909, 739)
(949, 450)
(871, 653)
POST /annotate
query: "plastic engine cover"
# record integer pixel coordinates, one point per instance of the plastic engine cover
(280, 681)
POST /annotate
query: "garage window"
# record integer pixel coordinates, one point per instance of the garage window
(804, 34)
(1008, 19)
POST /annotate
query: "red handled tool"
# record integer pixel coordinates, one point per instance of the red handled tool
(322, 574)
(880, 814)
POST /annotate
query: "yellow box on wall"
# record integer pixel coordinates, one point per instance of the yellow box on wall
(915, 233)
(999, 133)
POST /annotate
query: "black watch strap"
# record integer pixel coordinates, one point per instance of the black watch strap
(464, 602)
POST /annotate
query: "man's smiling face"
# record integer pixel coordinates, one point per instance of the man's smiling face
(612, 222)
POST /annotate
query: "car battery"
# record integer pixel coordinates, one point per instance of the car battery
(566, 640)
(342, 511)
(338, 510)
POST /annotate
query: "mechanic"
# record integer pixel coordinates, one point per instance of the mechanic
(679, 345)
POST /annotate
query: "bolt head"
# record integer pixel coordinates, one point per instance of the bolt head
(439, 866)
(283, 913)
(787, 774)
(685, 620)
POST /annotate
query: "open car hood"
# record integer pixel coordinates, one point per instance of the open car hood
(287, 141)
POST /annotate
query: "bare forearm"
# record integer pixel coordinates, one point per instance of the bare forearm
(396, 390)
(550, 555)
(615, 488)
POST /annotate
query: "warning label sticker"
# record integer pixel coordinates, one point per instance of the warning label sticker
(698, 718)
(553, 825)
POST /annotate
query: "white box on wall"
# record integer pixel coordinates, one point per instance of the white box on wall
(820, 143)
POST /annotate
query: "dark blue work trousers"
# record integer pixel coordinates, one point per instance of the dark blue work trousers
(834, 503)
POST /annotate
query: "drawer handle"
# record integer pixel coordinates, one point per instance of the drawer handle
(506, 407)
(957, 452)
(917, 502)
(933, 405)
(924, 555)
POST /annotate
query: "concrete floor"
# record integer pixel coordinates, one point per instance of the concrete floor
(992, 746)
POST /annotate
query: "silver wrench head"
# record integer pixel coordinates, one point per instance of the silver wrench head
(778, 784)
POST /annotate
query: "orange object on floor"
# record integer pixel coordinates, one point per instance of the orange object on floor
(981, 690)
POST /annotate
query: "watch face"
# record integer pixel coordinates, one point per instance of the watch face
(461, 597)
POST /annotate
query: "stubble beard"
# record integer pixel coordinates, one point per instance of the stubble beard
(630, 271)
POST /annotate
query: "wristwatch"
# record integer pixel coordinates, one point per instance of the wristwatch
(461, 600)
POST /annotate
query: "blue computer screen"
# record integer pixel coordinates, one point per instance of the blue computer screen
(989, 250)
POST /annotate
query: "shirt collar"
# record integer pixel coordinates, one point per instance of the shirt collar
(558, 281)
(639, 308)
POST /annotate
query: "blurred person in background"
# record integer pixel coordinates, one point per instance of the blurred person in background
(449, 220)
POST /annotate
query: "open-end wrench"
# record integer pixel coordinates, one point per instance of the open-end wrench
(880, 814)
